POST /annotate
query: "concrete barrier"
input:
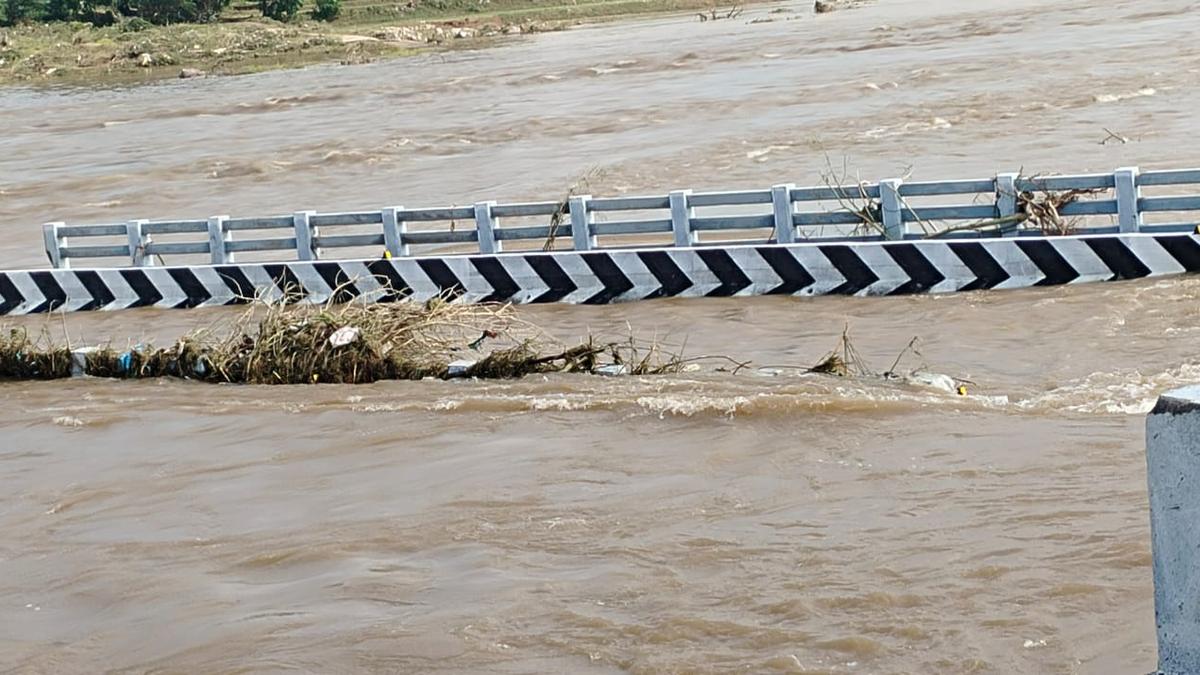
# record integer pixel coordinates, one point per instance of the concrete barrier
(1173, 473)
(600, 277)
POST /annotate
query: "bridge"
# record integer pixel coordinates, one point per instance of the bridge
(885, 238)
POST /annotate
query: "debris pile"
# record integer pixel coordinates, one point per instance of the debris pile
(845, 361)
(276, 343)
(351, 343)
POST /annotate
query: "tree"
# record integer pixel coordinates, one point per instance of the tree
(19, 11)
(280, 10)
(327, 10)
(70, 10)
(207, 11)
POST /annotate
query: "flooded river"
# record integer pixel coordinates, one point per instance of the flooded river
(763, 521)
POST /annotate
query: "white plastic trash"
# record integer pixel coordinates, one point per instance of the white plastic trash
(459, 368)
(343, 336)
(79, 361)
(933, 380)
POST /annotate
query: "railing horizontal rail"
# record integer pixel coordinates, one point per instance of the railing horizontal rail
(248, 245)
(842, 192)
(730, 198)
(96, 252)
(1099, 207)
(92, 230)
(177, 248)
(428, 215)
(441, 237)
(1088, 182)
(174, 227)
(271, 223)
(925, 213)
(532, 232)
(335, 219)
(1172, 177)
(732, 223)
(348, 240)
(950, 187)
(830, 218)
(631, 227)
(1182, 203)
(1190, 228)
(529, 209)
(857, 212)
(629, 203)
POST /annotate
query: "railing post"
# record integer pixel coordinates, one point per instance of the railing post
(1173, 474)
(681, 218)
(393, 231)
(217, 238)
(781, 203)
(54, 244)
(1125, 182)
(889, 201)
(305, 235)
(485, 226)
(138, 240)
(581, 223)
(1006, 201)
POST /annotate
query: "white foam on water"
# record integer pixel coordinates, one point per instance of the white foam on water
(1113, 98)
(1119, 392)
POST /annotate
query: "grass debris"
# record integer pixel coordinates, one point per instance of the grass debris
(273, 343)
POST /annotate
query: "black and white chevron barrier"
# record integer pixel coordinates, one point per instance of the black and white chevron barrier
(598, 277)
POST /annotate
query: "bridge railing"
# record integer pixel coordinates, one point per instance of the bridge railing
(887, 210)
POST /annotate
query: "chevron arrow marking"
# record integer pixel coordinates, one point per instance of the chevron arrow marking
(731, 277)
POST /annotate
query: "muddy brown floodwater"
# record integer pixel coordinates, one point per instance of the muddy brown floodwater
(704, 522)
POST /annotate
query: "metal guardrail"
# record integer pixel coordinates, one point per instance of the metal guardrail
(889, 216)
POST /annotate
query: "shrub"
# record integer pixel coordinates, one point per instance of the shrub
(172, 11)
(160, 11)
(327, 10)
(280, 10)
(135, 25)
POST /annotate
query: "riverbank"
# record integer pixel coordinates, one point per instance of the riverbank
(76, 53)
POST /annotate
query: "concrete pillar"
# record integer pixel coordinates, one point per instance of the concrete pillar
(581, 223)
(1128, 193)
(218, 237)
(1006, 201)
(306, 249)
(485, 228)
(394, 229)
(681, 218)
(53, 244)
(890, 203)
(1173, 473)
(781, 206)
(138, 240)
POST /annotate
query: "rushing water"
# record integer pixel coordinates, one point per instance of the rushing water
(762, 521)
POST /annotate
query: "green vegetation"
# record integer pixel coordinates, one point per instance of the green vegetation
(16, 11)
(141, 40)
(327, 10)
(280, 10)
